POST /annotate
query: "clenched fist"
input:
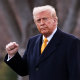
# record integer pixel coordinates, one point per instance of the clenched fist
(12, 48)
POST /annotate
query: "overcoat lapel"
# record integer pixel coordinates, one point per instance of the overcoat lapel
(51, 47)
(37, 48)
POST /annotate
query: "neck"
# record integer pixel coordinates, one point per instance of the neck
(48, 35)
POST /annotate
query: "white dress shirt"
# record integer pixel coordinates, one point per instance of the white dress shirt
(50, 37)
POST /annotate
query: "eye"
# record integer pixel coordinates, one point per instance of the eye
(45, 19)
(38, 20)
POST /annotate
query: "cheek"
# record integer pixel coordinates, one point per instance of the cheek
(49, 24)
(38, 27)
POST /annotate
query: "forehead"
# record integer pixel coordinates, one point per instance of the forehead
(43, 14)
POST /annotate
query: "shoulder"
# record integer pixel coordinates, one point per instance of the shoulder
(35, 37)
(69, 40)
(68, 36)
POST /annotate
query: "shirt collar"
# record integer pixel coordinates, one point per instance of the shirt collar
(50, 37)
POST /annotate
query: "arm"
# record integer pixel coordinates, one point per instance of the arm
(17, 63)
(73, 61)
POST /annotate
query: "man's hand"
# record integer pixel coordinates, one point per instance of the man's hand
(12, 48)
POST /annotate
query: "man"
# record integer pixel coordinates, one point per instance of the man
(55, 58)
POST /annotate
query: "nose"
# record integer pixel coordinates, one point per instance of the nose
(42, 22)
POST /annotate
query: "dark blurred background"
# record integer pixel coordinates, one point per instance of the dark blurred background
(16, 24)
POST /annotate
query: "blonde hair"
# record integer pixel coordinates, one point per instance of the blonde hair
(39, 9)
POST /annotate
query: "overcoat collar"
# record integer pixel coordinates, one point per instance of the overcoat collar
(51, 47)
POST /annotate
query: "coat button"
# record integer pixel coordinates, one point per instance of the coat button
(37, 68)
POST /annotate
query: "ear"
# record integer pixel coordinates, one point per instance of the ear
(55, 21)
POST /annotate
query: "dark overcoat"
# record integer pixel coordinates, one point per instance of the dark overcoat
(59, 61)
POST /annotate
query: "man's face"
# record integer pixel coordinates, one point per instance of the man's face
(45, 23)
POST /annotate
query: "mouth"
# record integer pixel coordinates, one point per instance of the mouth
(43, 28)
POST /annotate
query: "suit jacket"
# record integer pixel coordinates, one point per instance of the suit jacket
(59, 61)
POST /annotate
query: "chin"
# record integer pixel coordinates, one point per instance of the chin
(43, 33)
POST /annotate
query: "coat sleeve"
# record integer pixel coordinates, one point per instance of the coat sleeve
(18, 64)
(73, 61)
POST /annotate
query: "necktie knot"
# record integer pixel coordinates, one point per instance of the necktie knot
(45, 40)
(44, 44)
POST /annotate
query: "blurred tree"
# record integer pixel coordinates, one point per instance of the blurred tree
(16, 21)
(71, 21)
